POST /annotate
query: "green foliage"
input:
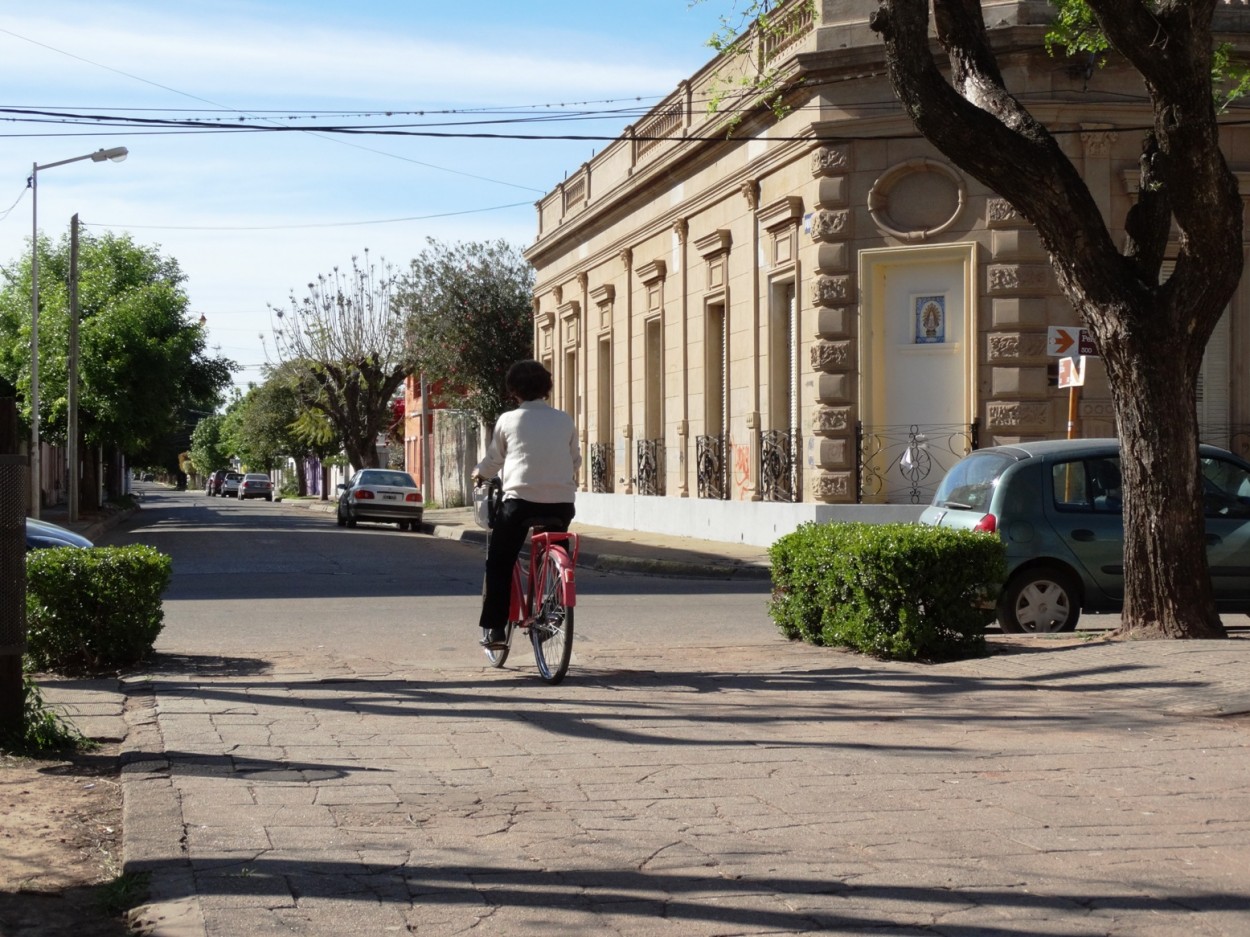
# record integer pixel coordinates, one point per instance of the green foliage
(733, 39)
(209, 449)
(143, 364)
(96, 609)
(43, 730)
(126, 891)
(471, 317)
(897, 591)
(1076, 31)
(259, 429)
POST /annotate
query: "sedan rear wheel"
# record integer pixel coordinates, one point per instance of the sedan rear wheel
(351, 519)
(1040, 600)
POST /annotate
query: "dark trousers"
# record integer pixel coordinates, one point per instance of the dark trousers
(516, 516)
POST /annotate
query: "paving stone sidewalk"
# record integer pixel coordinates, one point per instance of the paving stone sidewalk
(1085, 789)
(1063, 788)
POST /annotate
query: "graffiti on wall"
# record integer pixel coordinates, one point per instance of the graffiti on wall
(742, 469)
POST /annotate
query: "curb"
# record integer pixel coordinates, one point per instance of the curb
(612, 562)
(604, 562)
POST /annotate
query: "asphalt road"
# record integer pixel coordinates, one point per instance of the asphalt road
(259, 578)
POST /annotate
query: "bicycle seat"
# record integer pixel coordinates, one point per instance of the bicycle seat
(541, 525)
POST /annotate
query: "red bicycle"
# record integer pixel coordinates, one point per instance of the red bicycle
(544, 592)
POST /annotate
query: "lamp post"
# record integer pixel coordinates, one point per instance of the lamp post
(116, 154)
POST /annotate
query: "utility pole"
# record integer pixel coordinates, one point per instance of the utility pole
(71, 447)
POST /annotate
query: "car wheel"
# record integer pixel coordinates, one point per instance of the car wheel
(339, 518)
(351, 518)
(1040, 600)
(270, 499)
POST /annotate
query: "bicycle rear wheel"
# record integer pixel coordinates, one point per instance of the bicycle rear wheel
(552, 631)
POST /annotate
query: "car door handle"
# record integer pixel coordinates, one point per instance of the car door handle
(1083, 535)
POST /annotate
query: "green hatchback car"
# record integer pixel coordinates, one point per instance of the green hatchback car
(1056, 505)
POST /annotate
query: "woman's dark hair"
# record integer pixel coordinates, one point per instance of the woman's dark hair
(529, 380)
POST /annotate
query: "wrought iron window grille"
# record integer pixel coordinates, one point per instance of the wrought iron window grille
(711, 467)
(779, 467)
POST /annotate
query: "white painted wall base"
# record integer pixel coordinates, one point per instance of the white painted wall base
(753, 522)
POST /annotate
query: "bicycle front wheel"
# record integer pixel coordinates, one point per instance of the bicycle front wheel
(552, 631)
(498, 655)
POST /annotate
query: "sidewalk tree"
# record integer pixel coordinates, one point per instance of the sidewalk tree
(209, 450)
(143, 361)
(346, 344)
(259, 429)
(1151, 332)
(471, 316)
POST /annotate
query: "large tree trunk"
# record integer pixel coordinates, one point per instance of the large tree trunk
(1166, 580)
(1151, 336)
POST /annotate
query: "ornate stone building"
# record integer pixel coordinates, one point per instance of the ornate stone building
(760, 320)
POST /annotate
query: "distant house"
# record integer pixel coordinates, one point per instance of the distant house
(823, 312)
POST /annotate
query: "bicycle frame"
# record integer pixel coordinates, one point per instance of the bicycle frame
(521, 607)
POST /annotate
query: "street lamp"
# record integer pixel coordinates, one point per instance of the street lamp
(116, 154)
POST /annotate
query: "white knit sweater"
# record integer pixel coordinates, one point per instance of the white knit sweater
(534, 451)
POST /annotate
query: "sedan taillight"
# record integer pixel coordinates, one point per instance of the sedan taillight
(415, 496)
(363, 495)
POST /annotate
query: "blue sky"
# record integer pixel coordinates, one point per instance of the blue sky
(253, 216)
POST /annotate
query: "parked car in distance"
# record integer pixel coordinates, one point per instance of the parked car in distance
(41, 534)
(230, 484)
(1057, 507)
(215, 480)
(386, 495)
(255, 485)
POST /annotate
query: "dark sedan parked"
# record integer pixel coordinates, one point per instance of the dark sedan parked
(383, 495)
(215, 481)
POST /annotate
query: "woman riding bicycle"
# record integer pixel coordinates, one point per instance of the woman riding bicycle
(534, 452)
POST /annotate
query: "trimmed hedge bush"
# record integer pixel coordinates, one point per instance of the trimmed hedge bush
(93, 610)
(897, 591)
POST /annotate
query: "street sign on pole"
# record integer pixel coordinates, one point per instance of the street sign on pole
(1069, 341)
(1072, 371)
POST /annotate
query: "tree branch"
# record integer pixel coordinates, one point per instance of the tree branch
(983, 128)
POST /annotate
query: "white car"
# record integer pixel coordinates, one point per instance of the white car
(381, 495)
(230, 484)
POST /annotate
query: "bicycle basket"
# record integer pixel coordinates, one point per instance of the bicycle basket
(486, 500)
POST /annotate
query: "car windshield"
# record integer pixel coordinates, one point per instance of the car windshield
(256, 478)
(1225, 489)
(398, 479)
(970, 484)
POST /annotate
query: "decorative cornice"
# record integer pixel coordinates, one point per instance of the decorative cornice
(583, 280)
(650, 272)
(681, 228)
(788, 210)
(715, 243)
(602, 295)
(627, 258)
(570, 309)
